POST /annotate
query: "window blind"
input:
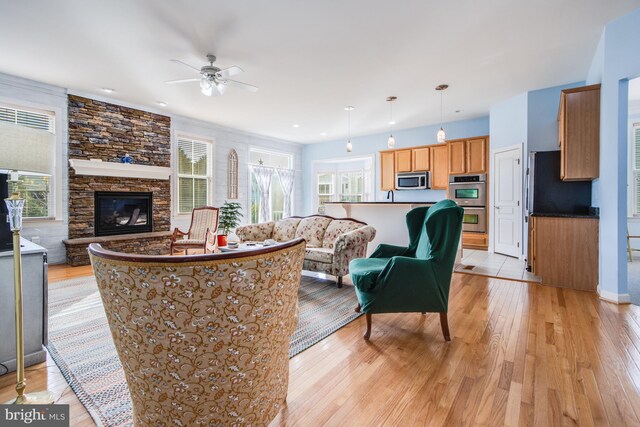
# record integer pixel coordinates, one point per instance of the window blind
(36, 189)
(193, 174)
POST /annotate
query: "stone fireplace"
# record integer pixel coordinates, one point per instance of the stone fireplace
(125, 208)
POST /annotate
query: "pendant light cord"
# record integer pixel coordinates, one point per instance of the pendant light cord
(348, 125)
(391, 117)
(440, 109)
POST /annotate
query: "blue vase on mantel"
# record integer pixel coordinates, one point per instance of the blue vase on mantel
(126, 159)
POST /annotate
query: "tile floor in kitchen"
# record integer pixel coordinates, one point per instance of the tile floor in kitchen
(495, 265)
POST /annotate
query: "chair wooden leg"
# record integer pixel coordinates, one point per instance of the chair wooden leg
(357, 309)
(444, 323)
(368, 333)
(339, 281)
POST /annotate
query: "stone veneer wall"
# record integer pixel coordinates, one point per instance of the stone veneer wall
(99, 130)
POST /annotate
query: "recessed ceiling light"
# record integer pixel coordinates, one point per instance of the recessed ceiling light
(458, 111)
(392, 123)
(107, 89)
(323, 134)
(349, 108)
(296, 126)
(161, 103)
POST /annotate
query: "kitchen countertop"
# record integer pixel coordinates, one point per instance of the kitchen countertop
(565, 215)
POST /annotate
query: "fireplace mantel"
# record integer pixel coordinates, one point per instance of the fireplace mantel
(122, 170)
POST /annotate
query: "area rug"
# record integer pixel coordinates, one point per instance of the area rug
(80, 341)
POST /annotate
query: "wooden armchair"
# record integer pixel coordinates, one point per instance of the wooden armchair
(202, 232)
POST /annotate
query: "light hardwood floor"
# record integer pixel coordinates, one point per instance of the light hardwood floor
(521, 354)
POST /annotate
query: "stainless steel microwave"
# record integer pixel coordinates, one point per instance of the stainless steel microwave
(412, 181)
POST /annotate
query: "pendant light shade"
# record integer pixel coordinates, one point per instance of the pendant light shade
(391, 142)
(349, 109)
(441, 136)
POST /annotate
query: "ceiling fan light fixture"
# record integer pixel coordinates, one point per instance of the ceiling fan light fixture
(206, 87)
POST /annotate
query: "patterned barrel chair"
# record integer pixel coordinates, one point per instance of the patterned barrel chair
(203, 339)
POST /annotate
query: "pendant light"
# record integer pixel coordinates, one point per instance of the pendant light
(349, 109)
(391, 142)
(441, 136)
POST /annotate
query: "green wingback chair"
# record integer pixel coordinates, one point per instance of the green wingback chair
(415, 278)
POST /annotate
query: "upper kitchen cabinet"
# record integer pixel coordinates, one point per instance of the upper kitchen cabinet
(579, 133)
(403, 161)
(468, 155)
(439, 169)
(456, 156)
(420, 159)
(387, 171)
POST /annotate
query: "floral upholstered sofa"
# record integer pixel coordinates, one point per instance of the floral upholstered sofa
(331, 242)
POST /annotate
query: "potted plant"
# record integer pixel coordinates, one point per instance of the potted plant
(230, 214)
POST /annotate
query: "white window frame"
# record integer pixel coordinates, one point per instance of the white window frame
(317, 187)
(339, 194)
(256, 149)
(176, 187)
(330, 166)
(56, 179)
(633, 174)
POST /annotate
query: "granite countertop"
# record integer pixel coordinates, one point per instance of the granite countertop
(27, 247)
(380, 203)
(564, 215)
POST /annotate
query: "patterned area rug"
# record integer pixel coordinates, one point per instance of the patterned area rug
(80, 341)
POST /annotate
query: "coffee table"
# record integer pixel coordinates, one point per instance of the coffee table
(244, 247)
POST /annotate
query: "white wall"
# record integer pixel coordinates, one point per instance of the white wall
(224, 140)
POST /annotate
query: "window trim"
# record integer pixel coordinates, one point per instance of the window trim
(329, 166)
(58, 180)
(175, 190)
(339, 194)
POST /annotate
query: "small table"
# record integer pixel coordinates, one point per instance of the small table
(245, 247)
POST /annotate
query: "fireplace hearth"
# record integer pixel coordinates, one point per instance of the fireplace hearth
(123, 212)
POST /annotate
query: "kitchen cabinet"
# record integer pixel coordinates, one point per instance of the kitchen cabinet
(420, 159)
(563, 251)
(579, 133)
(475, 240)
(468, 155)
(439, 167)
(403, 161)
(387, 171)
(456, 156)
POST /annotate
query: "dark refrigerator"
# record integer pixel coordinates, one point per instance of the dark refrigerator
(548, 194)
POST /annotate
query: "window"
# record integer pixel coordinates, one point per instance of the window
(194, 174)
(34, 188)
(325, 187)
(351, 186)
(636, 169)
(274, 160)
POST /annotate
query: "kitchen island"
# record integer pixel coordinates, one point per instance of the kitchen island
(387, 218)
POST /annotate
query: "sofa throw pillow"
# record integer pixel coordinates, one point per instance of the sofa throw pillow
(285, 229)
(337, 228)
(312, 229)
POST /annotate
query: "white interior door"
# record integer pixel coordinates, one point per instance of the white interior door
(507, 215)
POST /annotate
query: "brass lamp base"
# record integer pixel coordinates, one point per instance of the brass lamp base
(35, 398)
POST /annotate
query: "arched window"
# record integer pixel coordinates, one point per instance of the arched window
(232, 175)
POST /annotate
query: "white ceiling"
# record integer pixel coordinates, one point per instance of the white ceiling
(309, 58)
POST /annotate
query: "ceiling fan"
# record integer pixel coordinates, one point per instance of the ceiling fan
(213, 80)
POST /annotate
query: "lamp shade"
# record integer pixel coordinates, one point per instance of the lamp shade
(25, 149)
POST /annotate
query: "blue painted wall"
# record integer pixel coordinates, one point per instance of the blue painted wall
(371, 144)
(615, 61)
(508, 122)
(542, 117)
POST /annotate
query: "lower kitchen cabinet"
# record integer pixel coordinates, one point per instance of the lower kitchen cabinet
(475, 240)
(563, 251)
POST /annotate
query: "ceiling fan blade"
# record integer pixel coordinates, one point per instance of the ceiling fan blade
(170, 82)
(177, 61)
(241, 85)
(228, 72)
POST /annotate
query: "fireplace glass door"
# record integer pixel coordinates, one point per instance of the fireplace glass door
(123, 213)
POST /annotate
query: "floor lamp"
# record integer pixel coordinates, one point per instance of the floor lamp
(23, 149)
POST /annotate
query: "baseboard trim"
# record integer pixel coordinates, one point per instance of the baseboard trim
(613, 297)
